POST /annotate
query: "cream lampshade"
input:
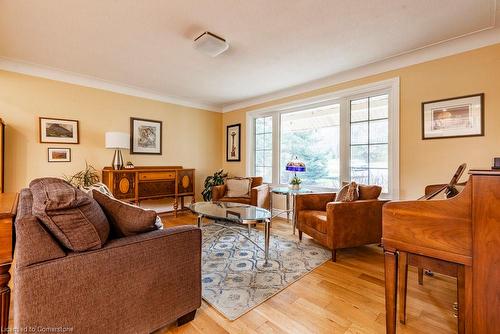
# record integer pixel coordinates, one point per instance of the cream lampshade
(117, 141)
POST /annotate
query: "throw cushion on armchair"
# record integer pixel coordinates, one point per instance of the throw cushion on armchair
(238, 187)
(348, 193)
(74, 218)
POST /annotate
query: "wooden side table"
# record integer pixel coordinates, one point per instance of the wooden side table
(288, 193)
(8, 206)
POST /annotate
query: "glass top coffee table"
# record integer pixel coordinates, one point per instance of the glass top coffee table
(236, 213)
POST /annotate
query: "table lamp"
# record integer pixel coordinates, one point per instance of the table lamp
(295, 165)
(117, 141)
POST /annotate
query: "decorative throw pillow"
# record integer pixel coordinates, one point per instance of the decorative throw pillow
(348, 193)
(238, 187)
(126, 219)
(72, 216)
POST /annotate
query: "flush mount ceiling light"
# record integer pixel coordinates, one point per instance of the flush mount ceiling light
(210, 44)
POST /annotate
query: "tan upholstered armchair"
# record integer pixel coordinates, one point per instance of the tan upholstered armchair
(339, 225)
(259, 194)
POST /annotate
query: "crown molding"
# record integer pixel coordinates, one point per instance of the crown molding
(438, 50)
(88, 81)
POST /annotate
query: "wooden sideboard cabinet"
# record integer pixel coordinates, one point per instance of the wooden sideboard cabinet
(155, 182)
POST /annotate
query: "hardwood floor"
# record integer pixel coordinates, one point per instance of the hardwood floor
(342, 297)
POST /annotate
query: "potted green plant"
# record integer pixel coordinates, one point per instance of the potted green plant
(295, 182)
(215, 180)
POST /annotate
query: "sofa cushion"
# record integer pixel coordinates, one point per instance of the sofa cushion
(73, 217)
(126, 219)
(314, 219)
(348, 193)
(369, 191)
(238, 187)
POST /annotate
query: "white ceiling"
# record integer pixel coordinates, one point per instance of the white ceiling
(274, 44)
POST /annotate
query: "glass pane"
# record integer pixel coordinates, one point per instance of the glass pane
(380, 177)
(259, 158)
(313, 137)
(268, 174)
(359, 156)
(259, 171)
(359, 133)
(379, 156)
(259, 142)
(359, 110)
(359, 175)
(268, 141)
(268, 127)
(379, 131)
(268, 158)
(379, 106)
(259, 125)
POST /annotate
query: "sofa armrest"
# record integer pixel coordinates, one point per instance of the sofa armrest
(149, 280)
(259, 196)
(355, 223)
(218, 192)
(316, 201)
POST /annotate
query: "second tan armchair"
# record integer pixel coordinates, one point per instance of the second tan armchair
(338, 225)
(259, 194)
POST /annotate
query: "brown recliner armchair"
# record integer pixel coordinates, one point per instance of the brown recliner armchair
(259, 194)
(339, 225)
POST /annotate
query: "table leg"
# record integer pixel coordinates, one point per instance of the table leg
(391, 285)
(294, 219)
(249, 229)
(403, 284)
(271, 204)
(200, 217)
(4, 297)
(464, 294)
(288, 208)
(267, 235)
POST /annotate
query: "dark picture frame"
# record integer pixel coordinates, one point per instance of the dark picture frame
(233, 139)
(147, 142)
(58, 130)
(455, 117)
(52, 150)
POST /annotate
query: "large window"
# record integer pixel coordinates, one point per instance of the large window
(313, 136)
(370, 141)
(343, 136)
(264, 148)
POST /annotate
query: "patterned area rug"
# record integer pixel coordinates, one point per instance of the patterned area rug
(234, 277)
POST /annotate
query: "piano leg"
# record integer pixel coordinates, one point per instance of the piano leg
(403, 283)
(391, 276)
(420, 276)
(464, 295)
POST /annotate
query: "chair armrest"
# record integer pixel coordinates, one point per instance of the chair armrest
(355, 223)
(317, 201)
(259, 196)
(218, 192)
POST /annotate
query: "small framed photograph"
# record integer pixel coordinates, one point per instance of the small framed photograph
(146, 136)
(56, 154)
(456, 117)
(233, 140)
(59, 131)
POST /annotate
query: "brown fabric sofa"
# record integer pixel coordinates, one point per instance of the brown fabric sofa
(134, 284)
(338, 225)
(259, 194)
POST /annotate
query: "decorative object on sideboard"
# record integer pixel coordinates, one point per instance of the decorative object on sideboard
(456, 117)
(146, 136)
(84, 178)
(59, 131)
(56, 154)
(129, 165)
(496, 163)
(117, 141)
(233, 140)
(295, 165)
(215, 180)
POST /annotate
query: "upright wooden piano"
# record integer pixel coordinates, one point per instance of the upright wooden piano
(461, 236)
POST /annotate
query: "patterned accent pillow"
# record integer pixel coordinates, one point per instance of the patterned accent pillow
(348, 193)
(238, 187)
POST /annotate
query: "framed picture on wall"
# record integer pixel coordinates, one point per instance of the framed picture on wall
(59, 131)
(146, 136)
(233, 140)
(56, 154)
(456, 117)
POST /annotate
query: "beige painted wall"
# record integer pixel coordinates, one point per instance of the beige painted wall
(191, 137)
(423, 162)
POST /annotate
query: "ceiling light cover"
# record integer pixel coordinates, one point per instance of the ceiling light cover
(210, 44)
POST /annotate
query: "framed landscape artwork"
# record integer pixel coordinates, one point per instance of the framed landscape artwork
(145, 136)
(59, 131)
(456, 117)
(233, 139)
(59, 154)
